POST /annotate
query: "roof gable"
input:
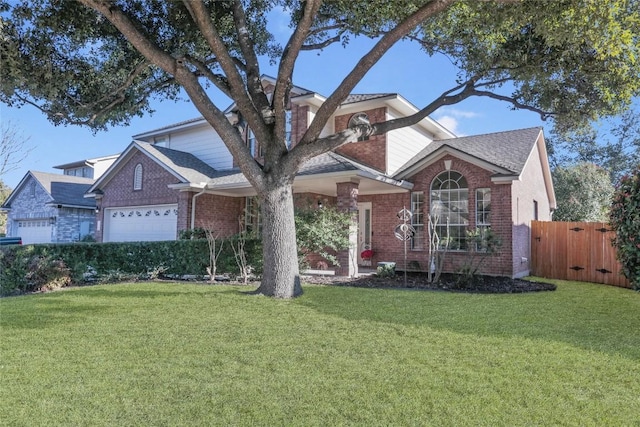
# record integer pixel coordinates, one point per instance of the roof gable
(504, 153)
(65, 190)
(186, 167)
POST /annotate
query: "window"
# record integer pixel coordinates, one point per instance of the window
(288, 128)
(252, 217)
(483, 208)
(483, 213)
(417, 220)
(137, 177)
(450, 203)
(251, 142)
(359, 119)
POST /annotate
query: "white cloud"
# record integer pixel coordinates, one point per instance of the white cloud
(451, 118)
(450, 123)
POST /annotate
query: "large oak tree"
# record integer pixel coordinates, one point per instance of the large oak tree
(100, 62)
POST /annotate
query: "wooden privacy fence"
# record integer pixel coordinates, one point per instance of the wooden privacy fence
(575, 251)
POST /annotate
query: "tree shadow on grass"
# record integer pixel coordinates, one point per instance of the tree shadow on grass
(49, 312)
(604, 319)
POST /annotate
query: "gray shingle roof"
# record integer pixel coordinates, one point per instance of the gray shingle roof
(508, 150)
(322, 164)
(65, 189)
(184, 164)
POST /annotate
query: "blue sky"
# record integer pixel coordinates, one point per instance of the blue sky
(405, 70)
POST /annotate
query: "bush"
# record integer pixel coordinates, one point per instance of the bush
(481, 243)
(386, 269)
(625, 221)
(323, 231)
(29, 271)
(30, 268)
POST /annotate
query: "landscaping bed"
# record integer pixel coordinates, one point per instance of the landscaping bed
(447, 282)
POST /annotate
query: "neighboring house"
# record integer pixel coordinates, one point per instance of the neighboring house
(182, 176)
(51, 208)
(90, 168)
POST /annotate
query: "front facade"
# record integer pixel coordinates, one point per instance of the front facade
(51, 208)
(182, 177)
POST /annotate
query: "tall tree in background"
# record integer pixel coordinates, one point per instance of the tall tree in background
(99, 62)
(616, 150)
(13, 150)
(13, 147)
(583, 193)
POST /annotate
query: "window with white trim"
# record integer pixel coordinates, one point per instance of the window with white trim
(450, 208)
(483, 208)
(483, 212)
(359, 119)
(417, 220)
(252, 216)
(137, 177)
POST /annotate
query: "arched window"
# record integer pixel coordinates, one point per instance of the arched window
(137, 177)
(359, 119)
(450, 203)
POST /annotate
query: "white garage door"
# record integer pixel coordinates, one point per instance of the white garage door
(34, 231)
(141, 224)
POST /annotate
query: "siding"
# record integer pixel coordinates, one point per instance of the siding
(403, 144)
(528, 189)
(204, 143)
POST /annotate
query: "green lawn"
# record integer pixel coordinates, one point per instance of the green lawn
(190, 355)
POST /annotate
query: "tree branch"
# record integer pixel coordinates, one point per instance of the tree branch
(324, 43)
(285, 70)
(252, 67)
(365, 64)
(201, 17)
(218, 80)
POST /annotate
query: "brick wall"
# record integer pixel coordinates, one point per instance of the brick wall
(387, 247)
(29, 205)
(119, 190)
(219, 213)
(73, 224)
(68, 224)
(372, 152)
(299, 123)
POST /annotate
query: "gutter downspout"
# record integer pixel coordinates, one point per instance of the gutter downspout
(193, 206)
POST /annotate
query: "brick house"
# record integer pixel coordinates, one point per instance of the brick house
(51, 208)
(182, 176)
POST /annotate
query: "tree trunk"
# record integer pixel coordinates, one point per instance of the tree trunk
(281, 277)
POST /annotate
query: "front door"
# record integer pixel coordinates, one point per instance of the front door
(364, 232)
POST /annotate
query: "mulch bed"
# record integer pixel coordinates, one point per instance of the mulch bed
(447, 282)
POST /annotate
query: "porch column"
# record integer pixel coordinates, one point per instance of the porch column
(347, 201)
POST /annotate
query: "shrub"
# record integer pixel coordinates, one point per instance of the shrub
(386, 269)
(625, 221)
(26, 270)
(322, 231)
(481, 243)
(31, 267)
(13, 271)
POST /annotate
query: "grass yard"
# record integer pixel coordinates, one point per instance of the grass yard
(196, 355)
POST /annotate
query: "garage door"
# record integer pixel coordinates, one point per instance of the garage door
(141, 224)
(34, 231)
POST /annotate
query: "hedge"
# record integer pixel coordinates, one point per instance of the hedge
(30, 268)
